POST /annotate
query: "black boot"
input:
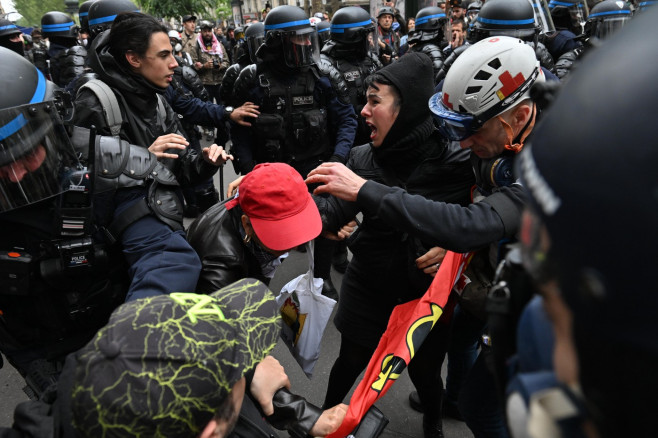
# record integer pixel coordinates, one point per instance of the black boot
(414, 402)
(432, 427)
(450, 408)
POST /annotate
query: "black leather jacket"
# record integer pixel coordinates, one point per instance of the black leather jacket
(216, 237)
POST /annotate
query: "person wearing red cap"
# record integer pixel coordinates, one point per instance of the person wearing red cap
(244, 236)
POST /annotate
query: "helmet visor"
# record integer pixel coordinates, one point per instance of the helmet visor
(253, 43)
(607, 27)
(301, 48)
(35, 155)
(543, 16)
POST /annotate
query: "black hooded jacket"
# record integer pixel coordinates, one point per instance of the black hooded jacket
(143, 120)
(413, 156)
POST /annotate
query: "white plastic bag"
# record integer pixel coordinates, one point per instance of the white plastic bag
(305, 312)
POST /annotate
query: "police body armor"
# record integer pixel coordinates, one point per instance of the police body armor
(189, 77)
(61, 283)
(40, 58)
(433, 51)
(292, 126)
(70, 64)
(353, 75)
(226, 88)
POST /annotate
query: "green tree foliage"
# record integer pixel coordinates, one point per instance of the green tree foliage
(33, 10)
(177, 8)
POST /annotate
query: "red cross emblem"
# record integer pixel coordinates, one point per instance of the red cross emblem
(510, 84)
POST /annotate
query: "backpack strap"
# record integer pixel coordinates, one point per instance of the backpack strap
(108, 101)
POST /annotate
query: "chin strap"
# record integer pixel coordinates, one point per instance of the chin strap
(525, 132)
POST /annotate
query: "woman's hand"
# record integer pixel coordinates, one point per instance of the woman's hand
(216, 155)
(431, 260)
(163, 143)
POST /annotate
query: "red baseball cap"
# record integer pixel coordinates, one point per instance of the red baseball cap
(277, 202)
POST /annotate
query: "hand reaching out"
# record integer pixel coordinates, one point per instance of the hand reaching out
(162, 145)
(216, 155)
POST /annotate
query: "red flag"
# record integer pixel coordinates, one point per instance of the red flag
(407, 328)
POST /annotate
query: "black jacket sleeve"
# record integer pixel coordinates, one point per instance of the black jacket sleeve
(293, 413)
(449, 226)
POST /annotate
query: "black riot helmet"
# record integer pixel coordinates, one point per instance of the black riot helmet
(10, 36)
(35, 151)
(353, 29)
(607, 17)
(514, 18)
(323, 30)
(608, 139)
(7, 28)
(83, 14)
(58, 25)
(430, 25)
(290, 36)
(103, 12)
(254, 35)
(569, 14)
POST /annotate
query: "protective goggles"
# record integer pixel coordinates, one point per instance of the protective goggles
(451, 124)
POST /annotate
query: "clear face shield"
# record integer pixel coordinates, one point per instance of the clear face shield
(360, 32)
(604, 28)
(578, 14)
(372, 43)
(543, 16)
(301, 48)
(37, 159)
(253, 43)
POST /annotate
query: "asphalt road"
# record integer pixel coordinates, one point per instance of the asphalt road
(404, 421)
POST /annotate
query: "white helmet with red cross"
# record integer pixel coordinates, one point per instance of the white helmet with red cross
(486, 80)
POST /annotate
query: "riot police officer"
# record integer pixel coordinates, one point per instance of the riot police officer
(429, 35)
(11, 37)
(604, 19)
(302, 121)
(103, 12)
(515, 18)
(352, 51)
(324, 32)
(253, 38)
(569, 14)
(83, 15)
(61, 278)
(66, 57)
